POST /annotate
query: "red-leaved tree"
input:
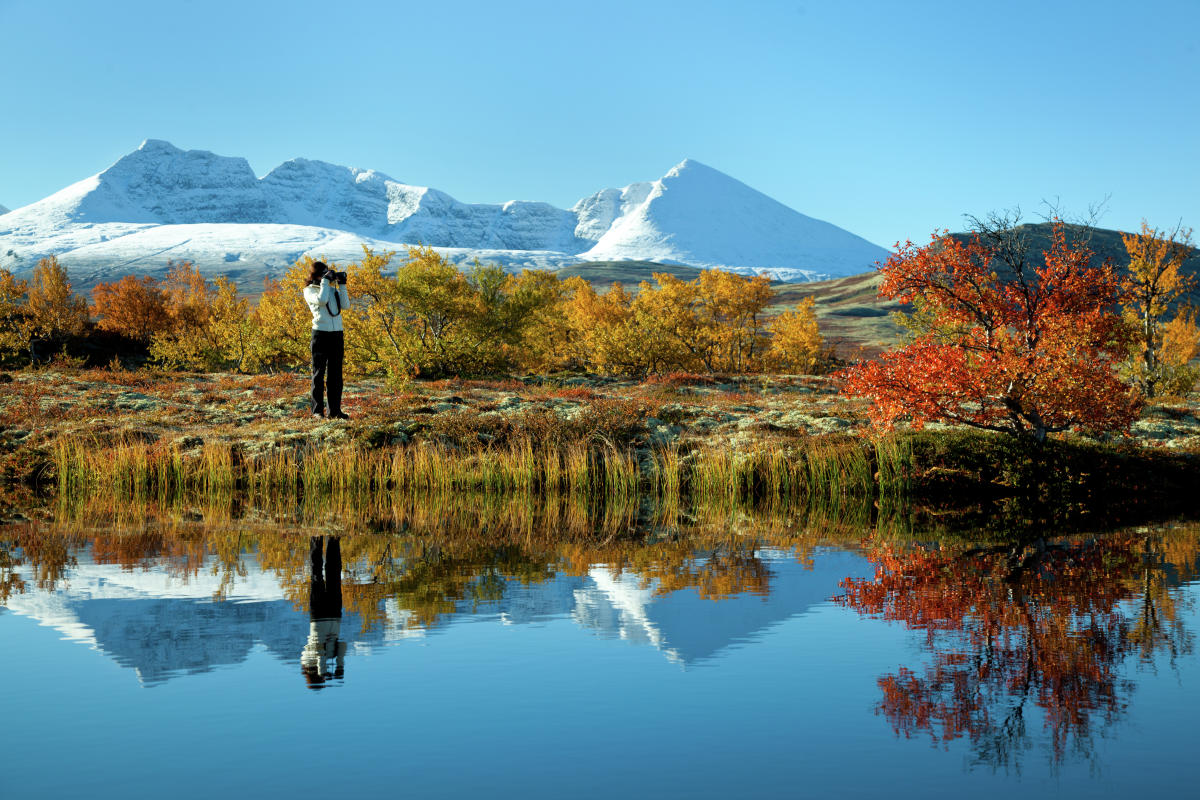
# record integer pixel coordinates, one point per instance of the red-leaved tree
(999, 344)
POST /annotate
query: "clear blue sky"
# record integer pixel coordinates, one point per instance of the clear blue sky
(889, 119)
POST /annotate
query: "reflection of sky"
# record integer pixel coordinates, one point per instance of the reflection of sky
(162, 625)
(544, 708)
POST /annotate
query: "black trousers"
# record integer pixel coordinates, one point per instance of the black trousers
(328, 349)
(325, 589)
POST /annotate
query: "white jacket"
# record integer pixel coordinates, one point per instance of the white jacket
(324, 643)
(323, 301)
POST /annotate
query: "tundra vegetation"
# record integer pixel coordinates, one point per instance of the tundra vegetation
(677, 387)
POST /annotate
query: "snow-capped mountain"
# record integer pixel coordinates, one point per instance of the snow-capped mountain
(3, 210)
(160, 203)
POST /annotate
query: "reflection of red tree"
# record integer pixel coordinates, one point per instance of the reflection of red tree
(1007, 626)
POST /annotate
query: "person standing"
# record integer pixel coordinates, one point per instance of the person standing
(327, 298)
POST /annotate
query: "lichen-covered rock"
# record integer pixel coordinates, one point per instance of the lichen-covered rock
(1155, 430)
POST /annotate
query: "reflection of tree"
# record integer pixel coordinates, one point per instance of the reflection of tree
(716, 567)
(431, 579)
(48, 558)
(1157, 626)
(430, 563)
(1041, 625)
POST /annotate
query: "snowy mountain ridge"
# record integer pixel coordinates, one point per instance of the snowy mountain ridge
(160, 202)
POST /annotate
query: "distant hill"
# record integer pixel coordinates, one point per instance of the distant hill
(849, 310)
(1106, 244)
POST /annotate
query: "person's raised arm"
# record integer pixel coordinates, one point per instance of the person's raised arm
(327, 290)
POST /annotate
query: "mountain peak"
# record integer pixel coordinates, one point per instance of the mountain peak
(3, 210)
(700, 177)
(689, 164)
(699, 216)
(158, 145)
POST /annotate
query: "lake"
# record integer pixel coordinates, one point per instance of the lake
(459, 650)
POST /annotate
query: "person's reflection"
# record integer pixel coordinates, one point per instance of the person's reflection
(325, 611)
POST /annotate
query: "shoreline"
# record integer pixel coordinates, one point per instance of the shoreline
(749, 439)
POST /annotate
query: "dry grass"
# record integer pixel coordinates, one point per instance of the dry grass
(595, 467)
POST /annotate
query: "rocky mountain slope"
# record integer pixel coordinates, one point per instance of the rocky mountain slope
(160, 203)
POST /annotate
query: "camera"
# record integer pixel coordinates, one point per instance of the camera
(338, 277)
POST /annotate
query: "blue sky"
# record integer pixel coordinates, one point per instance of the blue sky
(889, 119)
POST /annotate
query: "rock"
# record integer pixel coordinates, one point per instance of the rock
(1154, 430)
(662, 433)
(830, 425)
(134, 401)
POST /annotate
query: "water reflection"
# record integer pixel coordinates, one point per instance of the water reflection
(184, 593)
(1039, 627)
(325, 614)
(1030, 642)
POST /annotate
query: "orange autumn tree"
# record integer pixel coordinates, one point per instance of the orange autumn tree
(1002, 345)
(133, 307)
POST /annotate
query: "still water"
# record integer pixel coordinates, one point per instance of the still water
(177, 654)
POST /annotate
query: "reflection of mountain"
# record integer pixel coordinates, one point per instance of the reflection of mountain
(163, 638)
(164, 626)
(689, 628)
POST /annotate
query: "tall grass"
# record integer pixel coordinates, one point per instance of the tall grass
(817, 470)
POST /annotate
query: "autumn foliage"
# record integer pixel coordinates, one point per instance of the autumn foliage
(1166, 336)
(40, 314)
(417, 314)
(1002, 345)
(135, 307)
